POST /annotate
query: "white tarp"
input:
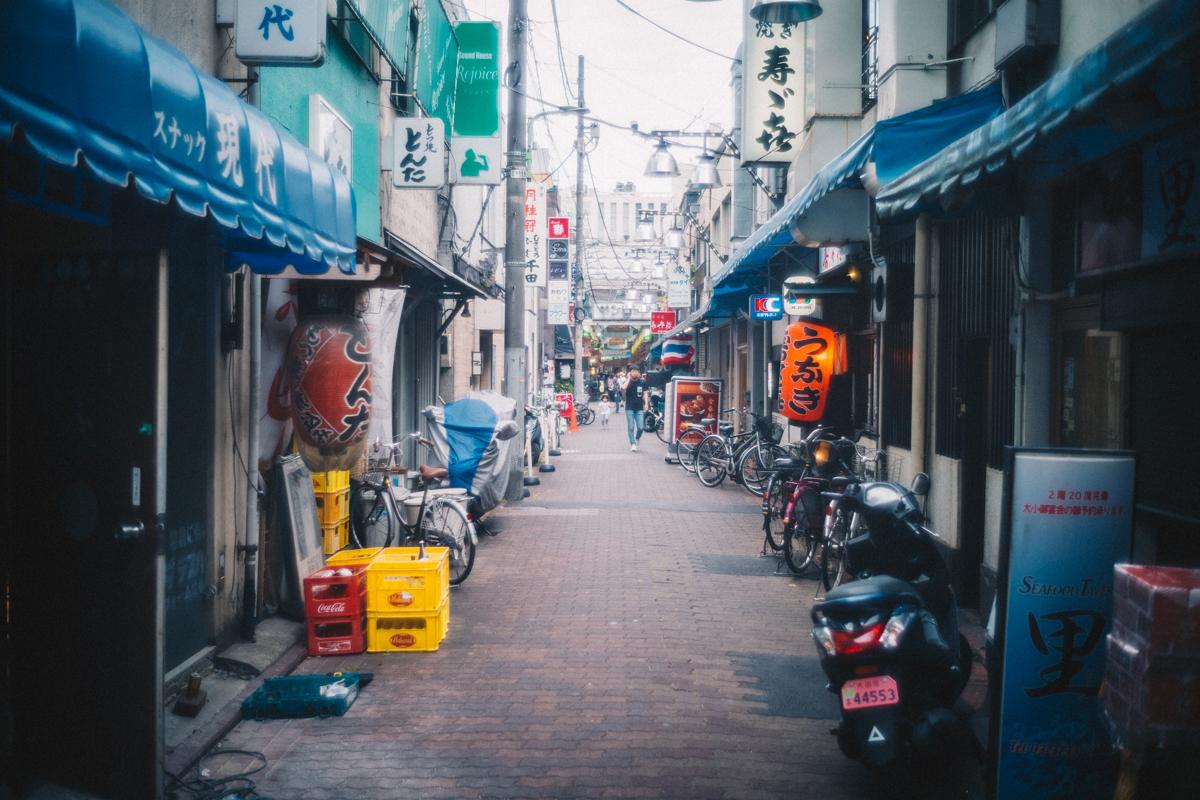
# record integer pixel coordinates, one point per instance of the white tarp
(380, 310)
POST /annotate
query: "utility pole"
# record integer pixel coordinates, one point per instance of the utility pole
(580, 144)
(514, 246)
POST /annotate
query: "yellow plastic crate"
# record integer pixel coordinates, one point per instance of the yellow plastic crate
(406, 632)
(354, 556)
(333, 506)
(335, 536)
(396, 581)
(331, 481)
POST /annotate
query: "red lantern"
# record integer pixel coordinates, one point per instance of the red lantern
(330, 369)
(805, 370)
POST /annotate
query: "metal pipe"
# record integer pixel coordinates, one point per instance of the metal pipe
(160, 517)
(920, 358)
(578, 323)
(514, 246)
(254, 303)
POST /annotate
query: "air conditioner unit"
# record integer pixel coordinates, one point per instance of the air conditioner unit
(1025, 28)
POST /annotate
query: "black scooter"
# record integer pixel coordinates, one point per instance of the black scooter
(536, 442)
(889, 641)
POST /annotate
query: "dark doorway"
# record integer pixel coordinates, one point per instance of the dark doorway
(974, 392)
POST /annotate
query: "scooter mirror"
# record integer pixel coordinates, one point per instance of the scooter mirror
(920, 484)
(507, 430)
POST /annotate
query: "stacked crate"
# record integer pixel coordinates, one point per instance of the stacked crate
(408, 601)
(1152, 675)
(332, 490)
(335, 604)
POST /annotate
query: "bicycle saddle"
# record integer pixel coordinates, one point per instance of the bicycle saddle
(707, 421)
(725, 427)
(432, 473)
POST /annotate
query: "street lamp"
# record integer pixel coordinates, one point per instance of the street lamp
(662, 163)
(645, 231)
(787, 11)
(704, 174)
(636, 267)
(673, 239)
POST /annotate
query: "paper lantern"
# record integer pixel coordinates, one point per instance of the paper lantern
(805, 370)
(329, 361)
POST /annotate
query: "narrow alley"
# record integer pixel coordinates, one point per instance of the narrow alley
(620, 637)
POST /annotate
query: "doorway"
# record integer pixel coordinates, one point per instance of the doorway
(974, 412)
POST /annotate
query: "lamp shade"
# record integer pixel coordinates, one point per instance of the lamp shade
(659, 272)
(793, 11)
(650, 297)
(673, 239)
(636, 267)
(662, 163)
(632, 294)
(645, 231)
(704, 174)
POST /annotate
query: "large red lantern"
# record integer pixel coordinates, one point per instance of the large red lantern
(329, 362)
(805, 370)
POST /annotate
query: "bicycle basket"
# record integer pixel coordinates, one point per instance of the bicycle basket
(877, 465)
(770, 430)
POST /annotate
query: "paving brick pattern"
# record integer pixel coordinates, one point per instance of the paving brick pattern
(590, 654)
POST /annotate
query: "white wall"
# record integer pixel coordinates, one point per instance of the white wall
(912, 33)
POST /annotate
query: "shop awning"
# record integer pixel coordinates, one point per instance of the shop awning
(1129, 57)
(455, 284)
(81, 83)
(690, 320)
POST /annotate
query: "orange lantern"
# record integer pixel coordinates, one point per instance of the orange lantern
(805, 370)
(329, 365)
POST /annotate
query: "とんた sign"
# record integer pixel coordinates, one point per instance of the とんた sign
(805, 370)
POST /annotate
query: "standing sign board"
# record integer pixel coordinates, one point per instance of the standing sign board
(1067, 518)
(679, 287)
(418, 153)
(477, 147)
(535, 234)
(558, 286)
(662, 321)
(291, 33)
(772, 91)
(696, 399)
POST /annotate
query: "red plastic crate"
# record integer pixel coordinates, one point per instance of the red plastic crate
(331, 636)
(327, 594)
(1157, 610)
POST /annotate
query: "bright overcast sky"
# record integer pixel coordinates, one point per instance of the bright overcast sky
(633, 72)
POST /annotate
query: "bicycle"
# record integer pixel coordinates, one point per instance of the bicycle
(437, 518)
(584, 414)
(718, 454)
(756, 459)
(691, 437)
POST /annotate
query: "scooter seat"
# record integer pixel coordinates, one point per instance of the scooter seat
(880, 592)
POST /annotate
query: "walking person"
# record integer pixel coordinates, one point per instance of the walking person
(635, 406)
(606, 407)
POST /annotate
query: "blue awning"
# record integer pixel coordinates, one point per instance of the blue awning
(83, 84)
(1128, 57)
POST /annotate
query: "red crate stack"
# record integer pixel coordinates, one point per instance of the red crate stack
(1152, 674)
(336, 607)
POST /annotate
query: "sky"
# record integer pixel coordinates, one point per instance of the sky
(633, 72)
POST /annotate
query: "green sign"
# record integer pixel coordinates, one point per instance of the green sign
(477, 95)
(437, 63)
(387, 20)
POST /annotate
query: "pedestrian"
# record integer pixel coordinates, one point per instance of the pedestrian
(635, 406)
(606, 407)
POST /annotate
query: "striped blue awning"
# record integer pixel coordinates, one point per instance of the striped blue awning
(82, 84)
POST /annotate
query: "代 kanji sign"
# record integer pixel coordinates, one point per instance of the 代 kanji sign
(418, 157)
(662, 321)
(290, 32)
(772, 91)
(804, 371)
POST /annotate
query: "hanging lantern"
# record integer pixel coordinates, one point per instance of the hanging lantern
(330, 365)
(805, 371)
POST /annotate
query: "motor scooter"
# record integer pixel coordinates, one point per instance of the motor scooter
(889, 641)
(536, 442)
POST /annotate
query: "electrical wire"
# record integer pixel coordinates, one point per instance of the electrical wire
(562, 64)
(237, 785)
(637, 13)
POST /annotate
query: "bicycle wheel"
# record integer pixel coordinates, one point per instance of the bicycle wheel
(805, 530)
(586, 416)
(775, 500)
(445, 524)
(370, 522)
(712, 460)
(660, 430)
(833, 561)
(755, 466)
(688, 443)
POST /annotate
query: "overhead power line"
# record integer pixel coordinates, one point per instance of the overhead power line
(637, 13)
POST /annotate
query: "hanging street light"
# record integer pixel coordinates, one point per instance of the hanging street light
(786, 11)
(645, 231)
(631, 294)
(662, 163)
(636, 267)
(673, 239)
(704, 174)
(659, 272)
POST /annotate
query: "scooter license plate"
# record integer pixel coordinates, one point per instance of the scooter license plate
(869, 693)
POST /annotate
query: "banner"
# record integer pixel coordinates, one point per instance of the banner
(275, 420)
(477, 143)
(437, 57)
(662, 321)
(772, 91)
(380, 311)
(535, 234)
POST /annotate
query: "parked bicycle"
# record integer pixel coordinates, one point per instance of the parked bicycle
(747, 457)
(381, 512)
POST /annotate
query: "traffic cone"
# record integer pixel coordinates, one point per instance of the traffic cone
(574, 424)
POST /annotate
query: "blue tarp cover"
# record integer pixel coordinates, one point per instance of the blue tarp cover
(82, 82)
(470, 425)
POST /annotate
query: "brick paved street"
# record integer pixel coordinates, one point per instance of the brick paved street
(619, 638)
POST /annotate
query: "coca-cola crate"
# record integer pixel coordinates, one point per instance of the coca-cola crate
(1157, 609)
(331, 636)
(328, 594)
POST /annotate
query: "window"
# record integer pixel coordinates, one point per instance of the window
(965, 16)
(625, 219)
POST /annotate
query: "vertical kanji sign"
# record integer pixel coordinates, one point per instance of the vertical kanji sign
(804, 371)
(772, 91)
(419, 155)
(536, 249)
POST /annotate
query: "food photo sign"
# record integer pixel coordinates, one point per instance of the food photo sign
(696, 399)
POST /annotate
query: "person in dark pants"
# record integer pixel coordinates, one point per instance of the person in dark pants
(635, 406)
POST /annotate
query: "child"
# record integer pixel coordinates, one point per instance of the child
(605, 410)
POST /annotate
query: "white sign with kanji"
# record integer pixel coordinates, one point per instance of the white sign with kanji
(679, 287)
(419, 153)
(536, 248)
(290, 32)
(772, 91)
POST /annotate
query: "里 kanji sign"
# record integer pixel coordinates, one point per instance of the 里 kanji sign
(804, 371)
(280, 32)
(418, 156)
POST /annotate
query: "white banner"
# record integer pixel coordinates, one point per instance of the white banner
(535, 234)
(772, 92)
(679, 287)
(275, 420)
(419, 153)
(380, 311)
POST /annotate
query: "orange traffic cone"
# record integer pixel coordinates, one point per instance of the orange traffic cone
(574, 424)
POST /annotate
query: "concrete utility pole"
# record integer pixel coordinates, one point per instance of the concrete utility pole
(514, 246)
(580, 144)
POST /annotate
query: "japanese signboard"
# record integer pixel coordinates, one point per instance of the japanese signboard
(832, 257)
(291, 32)
(662, 321)
(477, 147)
(766, 306)
(1171, 196)
(418, 158)
(437, 63)
(795, 304)
(330, 135)
(558, 286)
(535, 234)
(772, 91)
(1068, 518)
(557, 314)
(696, 399)
(560, 228)
(679, 287)
(805, 371)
